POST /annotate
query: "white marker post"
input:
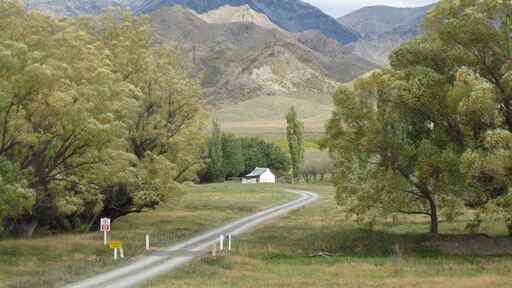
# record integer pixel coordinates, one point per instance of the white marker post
(121, 252)
(105, 228)
(147, 242)
(229, 242)
(115, 253)
(221, 248)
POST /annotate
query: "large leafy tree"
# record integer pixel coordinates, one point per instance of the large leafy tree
(94, 121)
(390, 157)
(436, 125)
(56, 103)
(161, 117)
(469, 42)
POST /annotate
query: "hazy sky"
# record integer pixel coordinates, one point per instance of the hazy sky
(339, 8)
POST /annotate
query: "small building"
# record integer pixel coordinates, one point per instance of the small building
(260, 175)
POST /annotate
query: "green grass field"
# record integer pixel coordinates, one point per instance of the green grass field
(53, 260)
(318, 247)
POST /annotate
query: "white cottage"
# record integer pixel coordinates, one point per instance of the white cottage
(260, 175)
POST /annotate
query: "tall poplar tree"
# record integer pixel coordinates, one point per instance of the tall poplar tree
(295, 137)
(233, 158)
(215, 164)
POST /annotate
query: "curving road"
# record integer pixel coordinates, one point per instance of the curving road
(150, 267)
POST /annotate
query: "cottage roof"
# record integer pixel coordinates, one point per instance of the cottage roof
(257, 172)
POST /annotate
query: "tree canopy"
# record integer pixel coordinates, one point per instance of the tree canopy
(433, 131)
(229, 156)
(93, 118)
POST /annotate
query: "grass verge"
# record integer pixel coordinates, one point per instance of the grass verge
(54, 260)
(318, 247)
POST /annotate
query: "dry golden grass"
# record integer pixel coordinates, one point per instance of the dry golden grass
(280, 254)
(54, 260)
(313, 128)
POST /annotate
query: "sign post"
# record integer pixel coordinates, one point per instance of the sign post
(105, 228)
(117, 245)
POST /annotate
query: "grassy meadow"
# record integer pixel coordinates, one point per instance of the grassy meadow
(53, 260)
(265, 116)
(318, 247)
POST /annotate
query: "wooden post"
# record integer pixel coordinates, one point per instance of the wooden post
(105, 238)
(214, 250)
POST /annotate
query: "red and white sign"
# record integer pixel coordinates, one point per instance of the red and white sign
(105, 225)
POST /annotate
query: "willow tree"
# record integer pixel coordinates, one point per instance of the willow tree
(390, 157)
(57, 95)
(438, 122)
(470, 43)
(161, 114)
(94, 120)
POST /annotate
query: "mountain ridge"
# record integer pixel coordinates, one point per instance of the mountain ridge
(383, 29)
(242, 61)
(291, 15)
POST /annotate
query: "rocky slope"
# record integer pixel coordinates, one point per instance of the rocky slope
(241, 14)
(241, 60)
(383, 29)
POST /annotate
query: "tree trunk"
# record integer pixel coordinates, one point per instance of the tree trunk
(22, 228)
(434, 222)
(107, 213)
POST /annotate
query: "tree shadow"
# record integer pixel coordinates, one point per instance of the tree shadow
(355, 242)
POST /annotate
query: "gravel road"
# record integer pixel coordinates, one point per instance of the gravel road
(170, 258)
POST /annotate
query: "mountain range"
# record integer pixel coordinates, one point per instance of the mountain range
(255, 58)
(383, 29)
(242, 60)
(291, 15)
